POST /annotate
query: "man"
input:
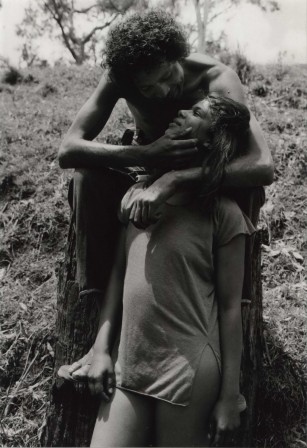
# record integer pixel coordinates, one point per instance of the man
(148, 64)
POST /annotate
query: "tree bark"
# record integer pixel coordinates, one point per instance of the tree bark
(72, 411)
(252, 321)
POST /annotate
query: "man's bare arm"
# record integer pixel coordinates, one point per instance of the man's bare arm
(79, 151)
(255, 167)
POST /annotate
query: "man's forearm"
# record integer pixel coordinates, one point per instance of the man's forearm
(82, 153)
(245, 172)
(242, 172)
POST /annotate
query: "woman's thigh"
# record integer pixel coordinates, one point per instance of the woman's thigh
(127, 420)
(188, 425)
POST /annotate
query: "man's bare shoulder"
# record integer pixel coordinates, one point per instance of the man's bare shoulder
(107, 89)
(215, 76)
(206, 65)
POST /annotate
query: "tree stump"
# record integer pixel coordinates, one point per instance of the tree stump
(252, 320)
(72, 410)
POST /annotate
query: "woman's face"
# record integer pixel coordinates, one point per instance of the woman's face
(198, 118)
(163, 81)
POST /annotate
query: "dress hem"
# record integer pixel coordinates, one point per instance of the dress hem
(151, 396)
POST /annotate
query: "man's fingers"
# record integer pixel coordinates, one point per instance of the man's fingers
(185, 132)
(188, 143)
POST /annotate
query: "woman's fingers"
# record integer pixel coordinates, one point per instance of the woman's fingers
(102, 385)
(82, 373)
(132, 212)
(64, 373)
(74, 366)
(144, 215)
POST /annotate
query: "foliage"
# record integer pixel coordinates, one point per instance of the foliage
(9, 74)
(82, 29)
(239, 62)
(34, 218)
(207, 11)
(64, 20)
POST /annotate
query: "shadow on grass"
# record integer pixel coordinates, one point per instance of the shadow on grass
(281, 400)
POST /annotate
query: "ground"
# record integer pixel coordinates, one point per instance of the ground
(34, 217)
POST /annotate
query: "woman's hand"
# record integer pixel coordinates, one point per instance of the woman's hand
(101, 378)
(77, 371)
(225, 418)
(171, 150)
(142, 204)
(129, 200)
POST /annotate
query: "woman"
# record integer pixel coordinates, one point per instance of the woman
(180, 283)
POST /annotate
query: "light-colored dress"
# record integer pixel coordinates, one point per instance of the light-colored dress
(170, 311)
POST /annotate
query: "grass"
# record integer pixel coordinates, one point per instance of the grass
(34, 217)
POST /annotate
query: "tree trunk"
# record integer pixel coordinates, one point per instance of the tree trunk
(252, 354)
(72, 411)
(201, 23)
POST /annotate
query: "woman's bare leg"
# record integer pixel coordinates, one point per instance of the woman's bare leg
(126, 421)
(188, 426)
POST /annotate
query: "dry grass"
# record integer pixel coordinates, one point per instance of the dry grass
(33, 223)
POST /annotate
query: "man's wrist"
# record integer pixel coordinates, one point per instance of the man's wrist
(136, 155)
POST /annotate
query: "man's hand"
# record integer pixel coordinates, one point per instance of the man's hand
(101, 378)
(225, 418)
(171, 150)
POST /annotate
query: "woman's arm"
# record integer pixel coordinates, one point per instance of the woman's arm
(229, 281)
(100, 375)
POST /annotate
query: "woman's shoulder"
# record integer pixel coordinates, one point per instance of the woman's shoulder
(229, 220)
(224, 205)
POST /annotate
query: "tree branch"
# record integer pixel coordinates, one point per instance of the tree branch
(217, 14)
(86, 10)
(101, 27)
(57, 17)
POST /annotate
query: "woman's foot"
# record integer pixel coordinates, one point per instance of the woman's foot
(78, 371)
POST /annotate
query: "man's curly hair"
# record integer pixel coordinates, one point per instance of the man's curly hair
(142, 41)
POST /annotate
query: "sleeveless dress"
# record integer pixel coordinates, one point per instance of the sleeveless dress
(170, 311)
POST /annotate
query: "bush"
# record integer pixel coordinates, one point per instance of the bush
(260, 89)
(11, 76)
(239, 62)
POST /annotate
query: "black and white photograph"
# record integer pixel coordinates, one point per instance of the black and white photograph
(153, 215)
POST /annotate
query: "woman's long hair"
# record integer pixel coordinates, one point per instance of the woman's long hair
(228, 135)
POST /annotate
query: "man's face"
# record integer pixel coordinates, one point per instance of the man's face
(164, 81)
(198, 118)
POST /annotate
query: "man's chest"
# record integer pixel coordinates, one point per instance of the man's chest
(153, 117)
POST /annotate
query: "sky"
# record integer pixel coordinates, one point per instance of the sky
(262, 37)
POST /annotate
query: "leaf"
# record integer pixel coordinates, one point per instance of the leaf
(23, 306)
(298, 256)
(50, 349)
(2, 273)
(274, 253)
